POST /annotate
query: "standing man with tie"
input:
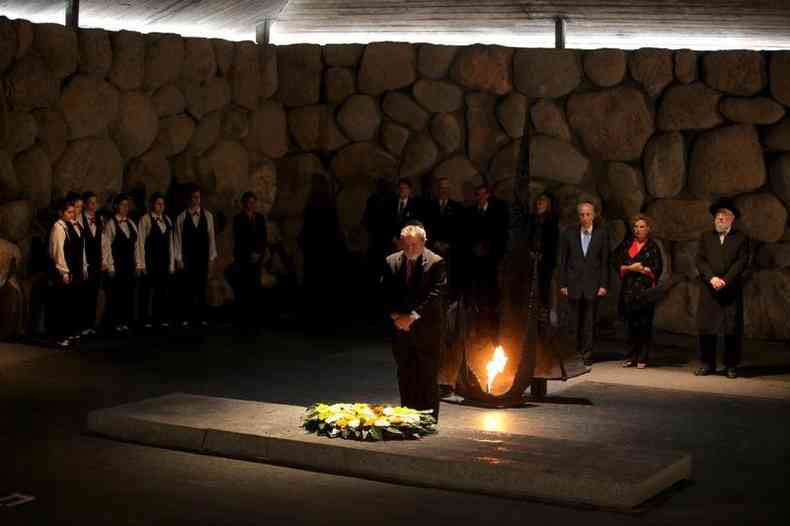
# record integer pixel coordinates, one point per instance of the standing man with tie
(69, 268)
(119, 252)
(195, 249)
(443, 220)
(414, 284)
(249, 248)
(93, 252)
(722, 259)
(405, 210)
(584, 276)
(156, 261)
(77, 231)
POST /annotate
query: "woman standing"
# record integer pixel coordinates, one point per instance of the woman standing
(119, 253)
(637, 260)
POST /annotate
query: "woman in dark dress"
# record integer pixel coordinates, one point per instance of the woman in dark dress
(637, 260)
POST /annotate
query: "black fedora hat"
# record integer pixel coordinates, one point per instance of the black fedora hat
(725, 203)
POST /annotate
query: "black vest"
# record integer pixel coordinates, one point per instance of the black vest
(194, 242)
(157, 249)
(73, 250)
(123, 249)
(92, 243)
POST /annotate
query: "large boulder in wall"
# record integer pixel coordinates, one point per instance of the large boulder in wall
(168, 101)
(8, 43)
(623, 190)
(504, 164)
(350, 209)
(223, 55)
(434, 61)
(359, 117)
(339, 84)
(394, 137)
(665, 165)
(235, 123)
(484, 68)
(34, 173)
(245, 75)
(53, 133)
(229, 169)
(315, 128)
(128, 60)
(605, 67)
(343, 55)
(766, 304)
(295, 175)
(512, 112)
(59, 48)
(16, 219)
(13, 298)
(89, 164)
(773, 255)
(613, 124)
(206, 134)
(25, 32)
(546, 73)
(267, 62)
(95, 52)
(684, 258)
(148, 173)
(763, 216)
(484, 135)
(29, 85)
(419, 156)
(8, 252)
(137, 124)
(199, 64)
(387, 66)
(9, 182)
(438, 96)
(754, 110)
(175, 133)
(89, 105)
(779, 178)
(552, 159)
(568, 197)
(677, 312)
(548, 118)
(447, 130)
(164, 58)
(205, 97)
(268, 130)
(739, 72)
(299, 68)
(680, 219)
(777, 136)
(463, 175)
(361, 164)
(402, 109)
(779, 67)
(652, 68)
(25, 130)
(689, 107)
(727, 161)
(686, 68)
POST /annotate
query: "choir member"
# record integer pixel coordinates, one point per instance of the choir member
(156, 261)
(119, 253)
(92, 231)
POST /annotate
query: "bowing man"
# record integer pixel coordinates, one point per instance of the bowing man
(69, 268)
(119, 252)
(156, 261)
(195, 249)
(92, 231)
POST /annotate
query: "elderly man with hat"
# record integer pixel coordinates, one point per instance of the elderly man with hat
(721, 260)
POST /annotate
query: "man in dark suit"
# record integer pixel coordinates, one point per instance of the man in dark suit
(722, 259)
(403, 210)
(414, 286)
(487, 230)
(249, 248)
(443, 217)
(584, 275)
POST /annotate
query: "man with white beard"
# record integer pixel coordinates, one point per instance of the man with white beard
(721, 260)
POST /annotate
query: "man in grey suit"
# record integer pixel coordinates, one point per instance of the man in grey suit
(415, 281)
(584, 275)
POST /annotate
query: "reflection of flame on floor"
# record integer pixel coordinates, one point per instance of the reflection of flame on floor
(492, 421)
(496, 366)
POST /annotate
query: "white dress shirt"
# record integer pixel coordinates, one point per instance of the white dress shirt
(144, 230)
(108, 238)
(92, 226)
(57, 242)
(178, 251)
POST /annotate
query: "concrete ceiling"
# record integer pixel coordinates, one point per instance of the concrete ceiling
(700, 24)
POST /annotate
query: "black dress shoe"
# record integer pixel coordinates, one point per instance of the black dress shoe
(703, 371)
(731, 373)
(588, 362)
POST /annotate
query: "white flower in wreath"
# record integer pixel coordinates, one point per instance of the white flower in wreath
(331, 419)
(389, 411)
(382, 422)
(353, 424)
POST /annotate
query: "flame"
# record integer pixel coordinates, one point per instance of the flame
(496, 365)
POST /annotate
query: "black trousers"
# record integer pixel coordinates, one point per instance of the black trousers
(62, 312)
(582, 316)
(194, 285)
(639, 327)
(90, 297)
(120, 301)
(156, 294)
(707, 348)
(418, 370)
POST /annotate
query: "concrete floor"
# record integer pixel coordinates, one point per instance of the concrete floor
(736, 429)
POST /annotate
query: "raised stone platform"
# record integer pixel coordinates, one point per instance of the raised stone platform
(503, 464)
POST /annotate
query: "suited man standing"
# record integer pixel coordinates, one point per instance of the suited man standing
(249, 247)
(414, 285)
(443, 220)
(722, 259)
(405, 209)
(584, 275)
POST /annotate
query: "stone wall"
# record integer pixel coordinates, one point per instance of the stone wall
(654, 130)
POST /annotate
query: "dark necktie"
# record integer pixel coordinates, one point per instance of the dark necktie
(409, 269)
